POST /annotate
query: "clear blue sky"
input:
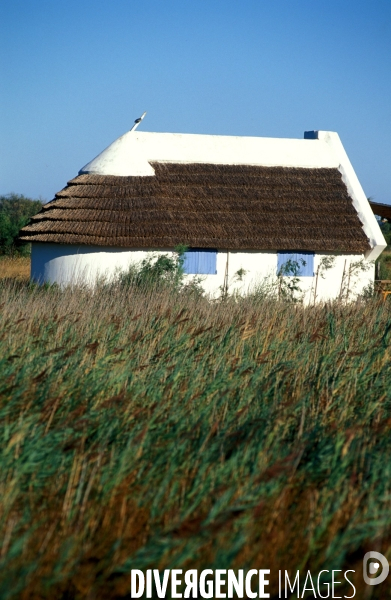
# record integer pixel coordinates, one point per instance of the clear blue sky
(75, 75)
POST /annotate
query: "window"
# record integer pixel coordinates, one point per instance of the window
(299, 264)
(200, 262)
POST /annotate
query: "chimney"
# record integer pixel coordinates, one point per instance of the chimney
(311, 135)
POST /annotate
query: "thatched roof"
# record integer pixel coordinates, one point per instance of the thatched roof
(208, 206)
(381, 210)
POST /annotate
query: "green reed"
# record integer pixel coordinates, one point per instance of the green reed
(148, 428)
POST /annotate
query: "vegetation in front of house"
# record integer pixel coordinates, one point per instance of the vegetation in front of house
(383, 263)
(385, 226)
(15, 266)
(147, 427)
(383, 267)
(154, 270)
(15, 212)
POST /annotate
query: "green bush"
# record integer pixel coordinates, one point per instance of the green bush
(15, 212)
(386, 230)
(154, 270)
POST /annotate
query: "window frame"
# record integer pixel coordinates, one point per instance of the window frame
(200, 256)
(296, 256)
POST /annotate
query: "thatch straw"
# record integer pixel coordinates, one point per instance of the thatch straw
(210, 206)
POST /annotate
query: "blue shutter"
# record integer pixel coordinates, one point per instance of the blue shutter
(190, 263)
(207, 262)
(200, 262)
(306, 270)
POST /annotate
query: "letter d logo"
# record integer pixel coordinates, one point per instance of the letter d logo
(374, 566)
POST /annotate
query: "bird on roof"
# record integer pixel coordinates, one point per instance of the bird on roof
(137, 121)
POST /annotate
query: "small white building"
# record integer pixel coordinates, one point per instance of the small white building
(244, 206)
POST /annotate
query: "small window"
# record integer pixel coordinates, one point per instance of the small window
(299, 264)
(200, 262)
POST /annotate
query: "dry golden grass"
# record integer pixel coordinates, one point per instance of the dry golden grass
(17, 267)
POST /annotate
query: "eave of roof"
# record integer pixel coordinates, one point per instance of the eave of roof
(233, 207)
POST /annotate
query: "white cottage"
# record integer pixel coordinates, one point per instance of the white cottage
(243, 205)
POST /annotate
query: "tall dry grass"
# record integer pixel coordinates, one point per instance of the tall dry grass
(15, 267)
(147, 429)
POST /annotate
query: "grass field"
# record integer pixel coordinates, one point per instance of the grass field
(16, 267)
(146, 429)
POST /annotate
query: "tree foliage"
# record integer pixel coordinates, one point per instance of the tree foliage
(15, 212)
(385, 226)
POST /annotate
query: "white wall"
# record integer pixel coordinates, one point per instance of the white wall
(348, 275)
(67, 264)
(132, 153)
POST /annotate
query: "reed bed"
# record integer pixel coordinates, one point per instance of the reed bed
(15, 267)
(154, 429)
